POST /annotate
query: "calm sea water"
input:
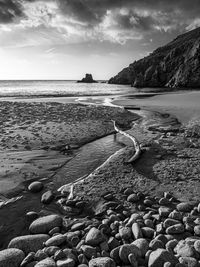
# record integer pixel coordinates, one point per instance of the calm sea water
(56, 88)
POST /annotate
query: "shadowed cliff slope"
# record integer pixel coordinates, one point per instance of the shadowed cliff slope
(176, 64)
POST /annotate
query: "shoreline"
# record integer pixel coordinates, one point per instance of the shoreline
(117, 174)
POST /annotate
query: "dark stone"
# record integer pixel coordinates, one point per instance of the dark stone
(88, 79)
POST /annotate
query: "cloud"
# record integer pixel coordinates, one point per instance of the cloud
(10, 10)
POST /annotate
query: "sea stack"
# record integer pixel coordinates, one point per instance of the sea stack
(175, 65)
(88, 79)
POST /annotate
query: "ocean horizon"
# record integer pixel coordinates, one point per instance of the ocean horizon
(61, 87)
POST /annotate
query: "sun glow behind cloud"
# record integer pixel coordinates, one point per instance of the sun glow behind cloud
(66, 38)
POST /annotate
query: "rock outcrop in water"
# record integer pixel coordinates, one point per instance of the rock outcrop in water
(88, 79)
(176, 64)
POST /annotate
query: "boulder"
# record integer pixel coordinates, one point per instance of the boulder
(44, 224)
(28, 243)
(11, 257)
(142, 244)
(158, 257)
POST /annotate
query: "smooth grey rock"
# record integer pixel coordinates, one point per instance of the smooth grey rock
(48, 262)
(44, 224)
(184, 207)
(47, 197)
(125, 233)
(127, 249)
(142, 244)
(28, 243)
(102, 262)
(94, 237)
(158, 257)
(35, 187)
(137, 233)
(56, 240)
(65, 263)
(184, 249)
(175, 229)
(11, 257)
(89, 251)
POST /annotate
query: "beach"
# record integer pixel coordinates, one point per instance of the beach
(73, 143)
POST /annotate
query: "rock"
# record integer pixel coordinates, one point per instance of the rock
(65, 263)
(175, 229)
(29, 258)
(47, 197)
(50, 251)
(197, 230)
(158, 257)
(176, 215)
(11, 257)
(113, 243)
(164, 211)
(164, 202)
(45, 224)
(56, 240)
(184, 207)
(171, 244)
(142, 244)
(114, 254)
(94, 237)
(155, 244)
(89, 251)
(55, 230)
(169, 222)
(102, 262)
(197, 246)
(125, 233)
(78, 226)
(147, 232)
(35, 187)
(133, 198)
(137, 233)
(48, 262)
(184, 249)
(88, 79)
(28, 243)
(40, 255)
(59, 255)
(188, 261)
(127, 249)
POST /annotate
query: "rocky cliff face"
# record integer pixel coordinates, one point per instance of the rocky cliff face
(176, 64)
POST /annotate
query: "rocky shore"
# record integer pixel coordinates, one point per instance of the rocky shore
(141, 214)
(154, 232)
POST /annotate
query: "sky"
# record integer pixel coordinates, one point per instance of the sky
(64, 39)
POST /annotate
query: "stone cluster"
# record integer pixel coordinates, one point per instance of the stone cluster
(160, 232)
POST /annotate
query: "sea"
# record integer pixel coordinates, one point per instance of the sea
(61, 88)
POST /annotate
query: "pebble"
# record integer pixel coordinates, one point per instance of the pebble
(137, 233)
(197, 230)
(48, 262)
(47, 197)
(184, 207)
(127, 249)
(55, 240)
(94, 237)
(65, 263)
(175, 229)
(125, 233)
(11, 257)
(44, 224)
(133, 198)
(102, 262)
(35, 187)
(142, 244)
(89, 251)
(158, 257)
(28, 243)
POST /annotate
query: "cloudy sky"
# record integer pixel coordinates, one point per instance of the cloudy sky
(64, 39)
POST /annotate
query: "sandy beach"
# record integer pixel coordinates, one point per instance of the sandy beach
(56, 144)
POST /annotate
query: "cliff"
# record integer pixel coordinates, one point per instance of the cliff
(176, 64)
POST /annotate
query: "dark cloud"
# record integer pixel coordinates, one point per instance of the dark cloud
(9, 10)
(93, 11)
